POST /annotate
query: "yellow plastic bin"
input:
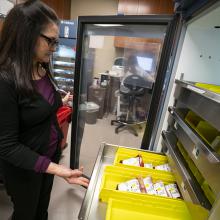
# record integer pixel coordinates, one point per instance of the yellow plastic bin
(182, 150)
(208, 192)
(148, 157)
(207, 132)
(114, 175)
(193, 119)
(210, 87)
(216, 90)
(204, 85)
(204, 185)
(216, 144)
(156, 209)
(191, 164)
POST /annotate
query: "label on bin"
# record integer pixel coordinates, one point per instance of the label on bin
(175, 125)
(195, 152)
(183, 186)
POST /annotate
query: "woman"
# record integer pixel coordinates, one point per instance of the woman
(29, 132)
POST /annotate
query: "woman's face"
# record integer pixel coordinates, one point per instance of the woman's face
(46, 43)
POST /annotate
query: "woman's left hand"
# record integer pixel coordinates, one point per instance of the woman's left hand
(82, 181)
(68, 97)
(76, 178)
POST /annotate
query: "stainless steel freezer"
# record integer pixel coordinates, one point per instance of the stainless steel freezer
(196, 166)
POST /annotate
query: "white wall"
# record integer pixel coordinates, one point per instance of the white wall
(104, 57)
(200, 57)
(201, 38)
(5, 6)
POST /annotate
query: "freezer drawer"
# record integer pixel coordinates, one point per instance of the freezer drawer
(204, 157)
(92, 208)
(187, 183)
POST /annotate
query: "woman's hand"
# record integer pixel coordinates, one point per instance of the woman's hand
(82, 181)
(68, 97)
(71, 176)
(76, 178)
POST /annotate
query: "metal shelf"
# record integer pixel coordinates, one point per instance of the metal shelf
(61, 57)
(203, 102)
(63, 80)
(63, 75)
(204, 157)
(63, 63)
(187, 183)
(62, 71)
(66, 88)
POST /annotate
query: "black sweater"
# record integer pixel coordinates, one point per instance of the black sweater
(25, 126)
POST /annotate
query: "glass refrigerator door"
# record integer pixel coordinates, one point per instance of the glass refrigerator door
(117, 67)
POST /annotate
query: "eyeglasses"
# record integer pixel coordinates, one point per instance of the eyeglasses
(52, 42)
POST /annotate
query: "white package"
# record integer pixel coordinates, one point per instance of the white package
(149, 186)
(160, 189)
(129, 186)
(164, 167)
(172, 191)
(134, 161)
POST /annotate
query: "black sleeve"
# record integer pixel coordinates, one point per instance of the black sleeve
(11, 150)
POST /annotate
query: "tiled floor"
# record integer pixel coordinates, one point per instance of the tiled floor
(5, 205)
(100, 132)
(66, 199)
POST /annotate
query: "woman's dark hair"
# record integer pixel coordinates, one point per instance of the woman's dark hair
(21, 29)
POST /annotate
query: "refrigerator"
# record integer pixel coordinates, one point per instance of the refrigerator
(183, 116)
(63, 60)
